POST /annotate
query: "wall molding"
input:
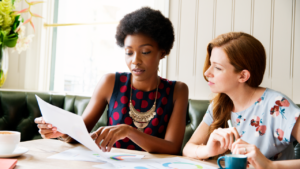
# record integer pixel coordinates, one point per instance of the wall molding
(178, 38)
(195, 38)
(232, 15)
(252, 17)
(271, 38)
(292, 39)
(214, 19)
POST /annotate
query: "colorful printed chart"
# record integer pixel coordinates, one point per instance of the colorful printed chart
(159, 163)
(183, 165)
(84, 154)
(122, 157)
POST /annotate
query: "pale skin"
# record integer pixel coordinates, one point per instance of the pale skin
(223, 79)
(142, 56)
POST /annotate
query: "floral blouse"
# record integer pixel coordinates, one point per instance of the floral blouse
(268, 124)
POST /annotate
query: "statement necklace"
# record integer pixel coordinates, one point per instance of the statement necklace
(142, 119)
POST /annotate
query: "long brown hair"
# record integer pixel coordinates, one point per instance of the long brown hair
(244, 52)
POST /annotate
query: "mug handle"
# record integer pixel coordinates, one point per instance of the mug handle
(219, 159)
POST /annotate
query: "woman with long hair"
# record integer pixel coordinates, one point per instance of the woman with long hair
(145, 111)
(264, 121)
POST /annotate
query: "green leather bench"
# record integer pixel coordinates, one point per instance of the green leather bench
(19, 109)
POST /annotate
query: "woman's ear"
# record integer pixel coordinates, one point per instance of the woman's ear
(244, 76)
(163, 54)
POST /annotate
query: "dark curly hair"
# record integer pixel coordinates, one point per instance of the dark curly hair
(149, 22)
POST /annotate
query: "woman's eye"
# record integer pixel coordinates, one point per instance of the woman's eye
(145, 53)
(128, 54)
(217, 68)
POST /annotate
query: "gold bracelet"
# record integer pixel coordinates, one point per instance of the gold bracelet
(64, 139)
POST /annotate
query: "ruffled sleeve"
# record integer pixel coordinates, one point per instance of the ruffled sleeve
(285, 114)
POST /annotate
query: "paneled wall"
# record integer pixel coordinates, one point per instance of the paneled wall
(276, 23)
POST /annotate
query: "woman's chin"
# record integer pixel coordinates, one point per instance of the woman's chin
(214, 90)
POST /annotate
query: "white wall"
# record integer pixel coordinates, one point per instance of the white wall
(276, 23)
(30, 70)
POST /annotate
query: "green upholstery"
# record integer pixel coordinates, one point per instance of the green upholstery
(19, 109)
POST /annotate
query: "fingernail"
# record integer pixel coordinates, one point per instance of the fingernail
(49, 125)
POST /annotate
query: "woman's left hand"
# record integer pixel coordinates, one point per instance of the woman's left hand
(109, 135)
(255, 157)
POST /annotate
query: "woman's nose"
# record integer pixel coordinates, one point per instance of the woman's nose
(207, 73)
(136, 60)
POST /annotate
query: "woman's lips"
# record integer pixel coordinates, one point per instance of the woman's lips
(210, 83)
(138, 71)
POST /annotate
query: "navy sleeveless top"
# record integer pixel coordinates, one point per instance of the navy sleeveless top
(118, 109)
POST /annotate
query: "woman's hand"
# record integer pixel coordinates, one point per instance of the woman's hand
(221, 140)
(109, 135)
(46, 130)
(255, 157)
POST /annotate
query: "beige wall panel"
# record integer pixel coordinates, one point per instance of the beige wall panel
(187, 38)
(205, 35)
(296, 64)
(12, 80)
(174, 16)
(223, 17)
(242, 16)
(261, 31)
(281, 72)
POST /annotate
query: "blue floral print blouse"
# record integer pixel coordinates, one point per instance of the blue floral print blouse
(268, 124)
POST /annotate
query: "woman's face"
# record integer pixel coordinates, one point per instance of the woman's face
(142, 56)
(221, 76)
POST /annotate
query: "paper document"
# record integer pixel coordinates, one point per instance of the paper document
(84, 154)
(68, 123)
(157, 163)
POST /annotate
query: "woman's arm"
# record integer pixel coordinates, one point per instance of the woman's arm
(91, 114)
(202, 145)
(290, 163)
(195, 147)
(259, 161)
(99, 100)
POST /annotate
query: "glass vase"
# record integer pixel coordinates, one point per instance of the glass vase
(3, 65)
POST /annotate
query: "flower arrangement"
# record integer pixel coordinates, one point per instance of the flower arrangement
(12, 29)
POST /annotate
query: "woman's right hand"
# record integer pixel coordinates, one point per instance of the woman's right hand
(221, 140)
(46, 129)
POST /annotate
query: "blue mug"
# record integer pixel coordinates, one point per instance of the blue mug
(233, 161)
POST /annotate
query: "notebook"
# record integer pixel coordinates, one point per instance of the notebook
(8, 163)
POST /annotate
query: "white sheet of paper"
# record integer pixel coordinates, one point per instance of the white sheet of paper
(84, 154)
(78, 154)
(105, 166)
(68, 123)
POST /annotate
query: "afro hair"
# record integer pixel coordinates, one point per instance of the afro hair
(149, 22)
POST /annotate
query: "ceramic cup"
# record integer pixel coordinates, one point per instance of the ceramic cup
(233, 161)
(9, 141)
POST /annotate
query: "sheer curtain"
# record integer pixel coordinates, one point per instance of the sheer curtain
(84, 53)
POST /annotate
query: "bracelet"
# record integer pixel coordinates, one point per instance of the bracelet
(64, 139)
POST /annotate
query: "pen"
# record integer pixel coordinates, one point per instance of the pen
(229, 123)
(230, 126)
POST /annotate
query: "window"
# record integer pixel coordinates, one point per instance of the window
(82, 54)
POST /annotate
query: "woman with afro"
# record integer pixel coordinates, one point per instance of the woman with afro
(145, 111)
